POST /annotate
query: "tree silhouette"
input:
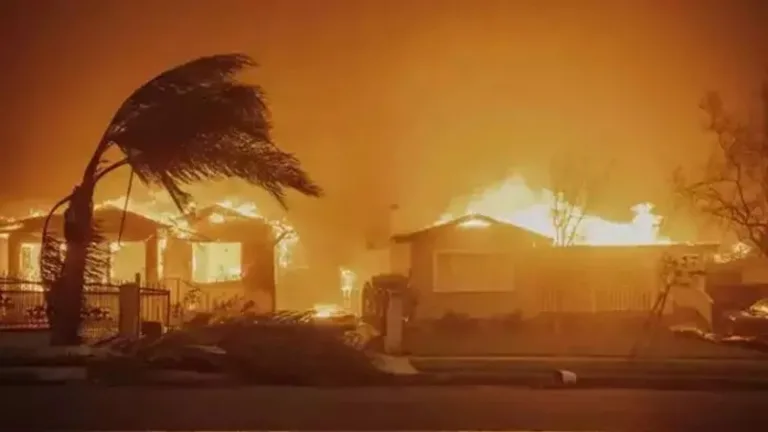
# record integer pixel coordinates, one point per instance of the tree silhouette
(732, 187)
(575, 189)
(192, 123)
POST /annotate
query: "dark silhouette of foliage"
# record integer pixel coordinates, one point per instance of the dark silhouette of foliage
(733, 185)
(192, 123)
(575, 190)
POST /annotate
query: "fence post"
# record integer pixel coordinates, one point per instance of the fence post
(129, 324)
(393, 336)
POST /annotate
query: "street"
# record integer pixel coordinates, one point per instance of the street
(414, 408)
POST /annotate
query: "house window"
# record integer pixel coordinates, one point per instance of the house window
(473, 272)
(216, 262)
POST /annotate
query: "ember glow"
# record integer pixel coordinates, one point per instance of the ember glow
(735, 252)
(327, 310)
(348, 280)
(513, 201)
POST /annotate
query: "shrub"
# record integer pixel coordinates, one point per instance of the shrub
(453, 322)
(280, 348)
(507, 322)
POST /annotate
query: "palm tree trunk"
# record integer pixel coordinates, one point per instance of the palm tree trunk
(67, 291)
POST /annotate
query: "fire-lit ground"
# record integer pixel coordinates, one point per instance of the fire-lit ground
(412, 408)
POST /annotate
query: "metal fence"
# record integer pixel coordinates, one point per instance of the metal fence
(23, 306)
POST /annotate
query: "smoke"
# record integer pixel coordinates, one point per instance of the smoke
(408, 104)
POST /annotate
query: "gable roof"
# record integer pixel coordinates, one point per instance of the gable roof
(109, 218)
(233, 225)
(479, 219)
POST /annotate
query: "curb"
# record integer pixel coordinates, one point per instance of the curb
(546, 380)
(552, 379)
(42, 375)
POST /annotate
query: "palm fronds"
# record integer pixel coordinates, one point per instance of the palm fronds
(198, 122)
(191, 123)
(53, 253)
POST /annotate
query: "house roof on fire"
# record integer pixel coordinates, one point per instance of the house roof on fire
(227, 214)
(476, 220)
(109, 219)
(219, 223)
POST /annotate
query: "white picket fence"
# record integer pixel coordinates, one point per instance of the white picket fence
(594, 299)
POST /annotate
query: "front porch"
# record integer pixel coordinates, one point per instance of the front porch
(134, 245)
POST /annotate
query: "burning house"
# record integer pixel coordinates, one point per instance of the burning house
(134, 242)
(221, 251)
(226, 254)
(482, 267)
(500, 257)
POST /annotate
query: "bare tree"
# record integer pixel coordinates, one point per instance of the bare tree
(574, 187)
(732, 187)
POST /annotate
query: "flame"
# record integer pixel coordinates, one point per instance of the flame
(735, 252)
(512, 201)
(247, 209)
(348, 280)
(215, 218)
(327, 310)
(162, 210)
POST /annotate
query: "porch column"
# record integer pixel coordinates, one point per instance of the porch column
(14, 255)
(257, 264)
(151, 256)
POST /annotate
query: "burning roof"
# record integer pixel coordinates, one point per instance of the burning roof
(136, 227)
(513, 201)
(145, 217)
(473, 221)
(221, 223)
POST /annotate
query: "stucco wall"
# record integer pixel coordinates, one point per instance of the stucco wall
(433, 304)
(575, 279)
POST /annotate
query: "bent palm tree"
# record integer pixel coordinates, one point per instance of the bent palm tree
(191, 123)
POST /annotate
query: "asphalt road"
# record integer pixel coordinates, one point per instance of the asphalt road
(412, 408)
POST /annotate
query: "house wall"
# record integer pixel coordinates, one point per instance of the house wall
(400, 258)
(128, 261)
(257, 264)
(752, 270)
(432, 304)
(572, 301)
(177, 260)
(569, 280)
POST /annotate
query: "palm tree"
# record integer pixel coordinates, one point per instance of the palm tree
(192, 123)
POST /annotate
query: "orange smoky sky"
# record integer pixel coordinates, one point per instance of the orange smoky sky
(393, 101)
